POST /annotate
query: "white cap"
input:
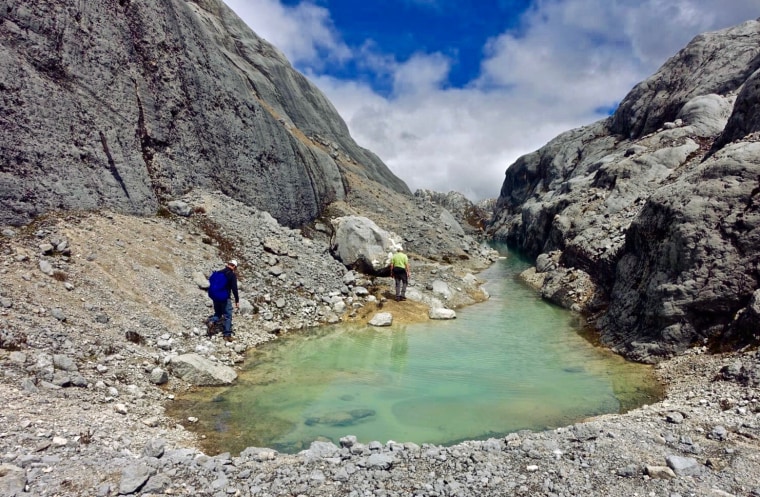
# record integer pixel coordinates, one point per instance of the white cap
(233, 262)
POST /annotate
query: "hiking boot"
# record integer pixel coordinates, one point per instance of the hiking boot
(227, 338)
(209, 328)
(398, 298)
(403, 298)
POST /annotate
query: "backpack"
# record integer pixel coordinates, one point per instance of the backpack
(217, 286)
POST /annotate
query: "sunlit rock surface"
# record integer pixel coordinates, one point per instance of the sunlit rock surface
(656, 206)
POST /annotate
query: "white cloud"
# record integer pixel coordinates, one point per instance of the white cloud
(420, 74)
(305, 32)
(567, 60)
(659, 28)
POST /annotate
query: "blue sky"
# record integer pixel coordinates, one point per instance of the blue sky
(449, 93)
(402, 28)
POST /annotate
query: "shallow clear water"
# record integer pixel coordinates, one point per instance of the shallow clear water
(511, 363)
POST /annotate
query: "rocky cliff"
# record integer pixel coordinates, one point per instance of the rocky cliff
(123, 105)
(648, 221)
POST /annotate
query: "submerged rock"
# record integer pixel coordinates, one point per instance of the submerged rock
(381, 319)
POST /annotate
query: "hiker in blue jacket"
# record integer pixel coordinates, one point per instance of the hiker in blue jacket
(223, 286)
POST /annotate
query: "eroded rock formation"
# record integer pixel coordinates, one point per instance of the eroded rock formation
(654, 211)
(123, 105)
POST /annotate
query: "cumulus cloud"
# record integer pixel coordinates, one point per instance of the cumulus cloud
(565, 65)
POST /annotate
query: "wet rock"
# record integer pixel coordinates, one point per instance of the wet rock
(381, 319)
(442, 313)
(200, 371)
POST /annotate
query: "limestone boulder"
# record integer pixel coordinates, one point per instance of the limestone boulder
(442, 313)
(381, 319)
(449, 223)
(200, 371)
(704, 231)
(361, 244)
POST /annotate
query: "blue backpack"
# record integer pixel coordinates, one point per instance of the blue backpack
(218, 288)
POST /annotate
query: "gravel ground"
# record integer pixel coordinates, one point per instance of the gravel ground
(94, 307)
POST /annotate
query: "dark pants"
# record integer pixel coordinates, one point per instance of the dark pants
(223, 310)
(402, 279)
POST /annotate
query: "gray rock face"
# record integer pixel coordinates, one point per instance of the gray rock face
(695, 245)
(654, 233)
(127, 106)
(718, 62)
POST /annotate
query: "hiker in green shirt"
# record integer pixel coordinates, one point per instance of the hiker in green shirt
(400, 272)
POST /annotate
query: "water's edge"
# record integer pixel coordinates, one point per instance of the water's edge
(222, 429)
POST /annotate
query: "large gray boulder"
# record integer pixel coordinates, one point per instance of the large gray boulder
(127, 105)
(200, 371)
(651, 215)
(361, 244)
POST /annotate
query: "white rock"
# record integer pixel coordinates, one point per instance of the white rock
(442, 313)
(381, 319)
